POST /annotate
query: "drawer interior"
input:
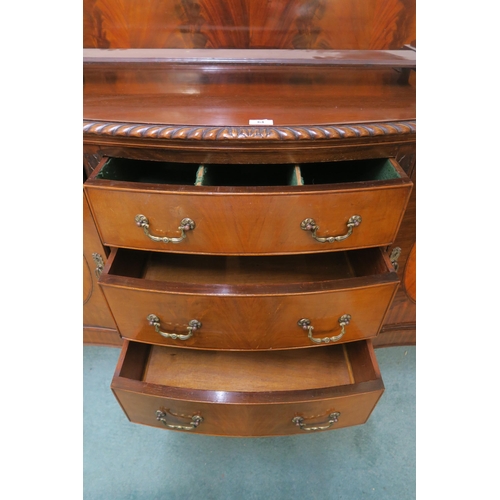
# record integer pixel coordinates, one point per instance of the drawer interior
(294, 370)
(286, 270)
(142, 171)
(249, 175)
(380, 169)
(191, 174)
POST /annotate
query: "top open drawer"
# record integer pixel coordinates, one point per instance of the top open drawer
(248, 209)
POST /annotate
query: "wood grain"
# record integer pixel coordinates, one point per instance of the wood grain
(402, 316)
(196, 109)
(247, 372)
(152, 96)
(240, 413)
(95, 309)
(248, 220)
(106, 337)
(410, 276)
(282, 24)
(240, 314)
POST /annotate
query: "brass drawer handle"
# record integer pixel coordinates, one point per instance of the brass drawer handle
(306, 325)
(99, 262)
(310, 225)
(196, 420)
(332, 419)
(193, 325)
(185, 225)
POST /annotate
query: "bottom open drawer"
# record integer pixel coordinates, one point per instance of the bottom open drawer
(248, 393)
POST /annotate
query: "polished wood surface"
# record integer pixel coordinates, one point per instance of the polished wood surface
(248, 412)
(253, 102)
(410, 282)
(283, 24)
(188, 96)
(294, 144)
(231, 273)
(400, 324)
(98, 324)
(106, 337)
(261, 220)
(248, 372)
(259, 313)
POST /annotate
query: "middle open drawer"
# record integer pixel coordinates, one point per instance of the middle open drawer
(248, 303)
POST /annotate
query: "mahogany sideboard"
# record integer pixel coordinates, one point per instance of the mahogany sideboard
(249, 216)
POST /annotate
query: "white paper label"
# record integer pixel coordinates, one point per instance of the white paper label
(261, 122)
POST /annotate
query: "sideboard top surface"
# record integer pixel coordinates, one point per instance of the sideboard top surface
(312, 70)
(212, 95)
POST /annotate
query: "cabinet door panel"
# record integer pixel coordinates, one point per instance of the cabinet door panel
(98, 324)
(400, 323)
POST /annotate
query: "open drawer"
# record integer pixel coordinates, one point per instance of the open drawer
(248, 303)
(245, 393)
(248, 209)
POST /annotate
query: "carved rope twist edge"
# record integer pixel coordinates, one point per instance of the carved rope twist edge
(281, 133)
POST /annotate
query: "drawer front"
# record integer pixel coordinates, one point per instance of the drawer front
(252, 420)
(248, 303)
(242, 394)
(248, 220)
(250, 322)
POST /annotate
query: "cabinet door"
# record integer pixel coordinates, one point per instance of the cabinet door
(400, 322)
(98, 324)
